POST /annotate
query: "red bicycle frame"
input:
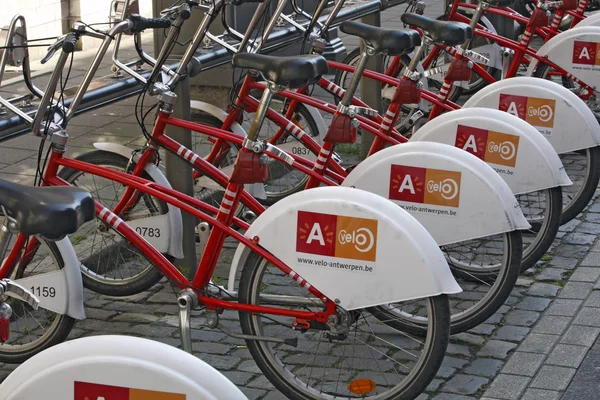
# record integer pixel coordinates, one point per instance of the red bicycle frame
(221, 229)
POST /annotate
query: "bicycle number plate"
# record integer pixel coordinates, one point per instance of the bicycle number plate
(49, 288)
(154, 229)
(297, 149)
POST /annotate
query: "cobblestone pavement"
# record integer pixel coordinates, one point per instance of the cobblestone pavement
(530, 349)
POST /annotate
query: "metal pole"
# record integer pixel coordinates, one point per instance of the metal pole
(504, 26)
(179, 172)
(370, 90)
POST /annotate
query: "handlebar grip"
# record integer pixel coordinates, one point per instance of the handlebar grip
(69, 42)
(140, 23)
(240, 2)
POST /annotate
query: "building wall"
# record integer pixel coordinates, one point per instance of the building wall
(50, 18)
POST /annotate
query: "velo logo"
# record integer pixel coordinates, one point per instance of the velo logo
(336, 236)
(587, 53)
(536, 111)
(94, 391)
(492, 147)
(425, 185)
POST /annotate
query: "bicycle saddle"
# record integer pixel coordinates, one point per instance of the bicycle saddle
(449, 33)
(293, 72)
(394, 42)
(51, 212)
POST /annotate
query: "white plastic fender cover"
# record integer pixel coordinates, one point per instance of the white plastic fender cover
(345, 242)
(455, 195)
(513, 148)
(117, 367)
(575, 50)
(170, 225)
(60, 291)
(557, 113)
(590, 20)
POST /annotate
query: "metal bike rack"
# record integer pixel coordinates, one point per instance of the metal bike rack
(110, 89)
(115, 87)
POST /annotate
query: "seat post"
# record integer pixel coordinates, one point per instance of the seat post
(479, 11)
(416, 57)
(261, 111)
(360, 68)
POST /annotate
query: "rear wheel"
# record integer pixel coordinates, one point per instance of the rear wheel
(370, 360)
(543, 212)
(32, 331)
(583, 166)
(485, 268)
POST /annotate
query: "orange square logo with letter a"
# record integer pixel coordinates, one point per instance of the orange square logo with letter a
(513, 104)
(94, 391)
(442, 187)
(502, 149)
(407, 183)
(472, 140)
(584, 52)
(316, 233)
(356, 238)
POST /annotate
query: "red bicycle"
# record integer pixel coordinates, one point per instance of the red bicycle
(288, 323)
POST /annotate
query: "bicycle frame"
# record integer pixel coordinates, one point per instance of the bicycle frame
(546, 32)
(221, 229)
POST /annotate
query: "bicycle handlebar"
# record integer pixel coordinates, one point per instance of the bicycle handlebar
(69, 42)
(140, 23)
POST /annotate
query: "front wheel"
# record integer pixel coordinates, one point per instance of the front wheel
(371, 360)
(110, 264)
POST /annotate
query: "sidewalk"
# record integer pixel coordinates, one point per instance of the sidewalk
(542, 344)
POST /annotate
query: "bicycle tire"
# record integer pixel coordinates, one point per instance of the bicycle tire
(545, 231)
(463, 320)
(290, 384)
(574, 204)
(59, 329)
(97, 280)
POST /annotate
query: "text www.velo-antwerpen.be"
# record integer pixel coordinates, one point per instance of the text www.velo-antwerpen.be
(335, 264)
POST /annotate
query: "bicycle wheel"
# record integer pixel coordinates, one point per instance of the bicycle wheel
(32, 330)
(486, 269)
(543, 212)
(110, 264)
(370, 360)
(583, 167)
(283, 180)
